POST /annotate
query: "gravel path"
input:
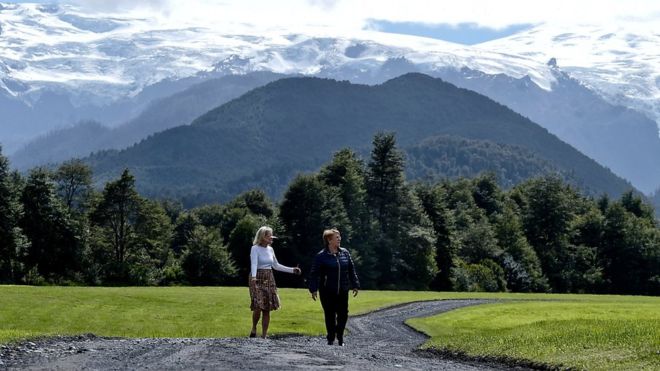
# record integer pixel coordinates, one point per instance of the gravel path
(375, 341)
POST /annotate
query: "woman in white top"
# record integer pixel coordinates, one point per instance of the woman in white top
(263, 292)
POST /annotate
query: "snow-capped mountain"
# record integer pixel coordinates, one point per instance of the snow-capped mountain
(106, 58)
(622, 63)
(60, 64)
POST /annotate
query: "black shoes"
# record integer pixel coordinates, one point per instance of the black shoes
(330, 342)
(340, 341)
(253, 334)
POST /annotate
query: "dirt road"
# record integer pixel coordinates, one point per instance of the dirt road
(376, 341)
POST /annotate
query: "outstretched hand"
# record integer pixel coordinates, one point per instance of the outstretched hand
(297, 270)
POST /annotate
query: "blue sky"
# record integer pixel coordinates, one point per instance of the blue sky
(463, 33)
(465, 21)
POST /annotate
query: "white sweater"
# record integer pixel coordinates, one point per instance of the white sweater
(264, 258)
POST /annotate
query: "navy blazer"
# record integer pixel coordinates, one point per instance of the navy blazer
(333, 272)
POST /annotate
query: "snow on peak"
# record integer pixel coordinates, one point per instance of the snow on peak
(105, 57)
(620, 62)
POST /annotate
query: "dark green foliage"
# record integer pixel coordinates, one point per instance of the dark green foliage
(634, 203)
(255, 201)
(547, 216)
(240, 242)
(404, 236)
(485, 276)
(309, 206)
(385, 193)
(151, 247)
(487, 194)
(346, 174)
(630, 252)
(205, 260)
(116, 218)
(74, 182)
(293, 125)
(445, 156)
(12, 240)
(183, 227)
(54, 250)
(433, 201)
(519, 260)
(463, 234)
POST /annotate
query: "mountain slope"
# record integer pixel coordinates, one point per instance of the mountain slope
(624, 140)
(175, 110)
(294, 124)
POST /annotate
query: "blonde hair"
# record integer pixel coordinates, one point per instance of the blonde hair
(327, 234)
(261, 232)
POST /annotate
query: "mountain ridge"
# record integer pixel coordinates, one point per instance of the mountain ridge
(296, 124)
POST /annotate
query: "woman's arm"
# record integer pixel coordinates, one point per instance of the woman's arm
(279, 267)
(254, 258)
(352, 275)
(314, 276)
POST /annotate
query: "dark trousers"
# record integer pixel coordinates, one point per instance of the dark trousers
(335, 309)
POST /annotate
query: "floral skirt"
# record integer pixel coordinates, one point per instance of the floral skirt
(263, 292)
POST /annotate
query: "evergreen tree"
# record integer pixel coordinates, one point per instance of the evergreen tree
(635, 204)
(346, 174)
(385, 181)
(487, 194)
(308, 207)
(240, 243)
(630, 253)
(254, 200)
(183, 227)
(205, 260)
(153, 237)
(117, 215)
(54, 250)
(12, 240)
(433, 201)
(406, 254)
(548, 215)
(519, 260)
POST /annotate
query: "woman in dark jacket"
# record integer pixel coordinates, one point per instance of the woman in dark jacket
(333, 275)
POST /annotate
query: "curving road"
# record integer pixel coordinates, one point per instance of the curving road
(376, 341)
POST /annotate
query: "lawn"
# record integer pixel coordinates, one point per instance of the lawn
(27, 311)
(585, 331)
(600, 333)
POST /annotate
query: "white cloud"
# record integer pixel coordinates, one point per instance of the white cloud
(350, 15)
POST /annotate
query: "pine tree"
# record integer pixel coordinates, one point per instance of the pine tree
(308, 207)
(11, 236)
(54, 245)
(405, 242)
(205, 260)
(520, 262)
(346, 174)
(433, 200)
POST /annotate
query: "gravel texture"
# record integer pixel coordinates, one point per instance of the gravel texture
(375, 341)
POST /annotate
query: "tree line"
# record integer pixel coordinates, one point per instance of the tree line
(541, 235)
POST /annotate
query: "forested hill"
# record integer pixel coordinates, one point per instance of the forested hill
(267, 135)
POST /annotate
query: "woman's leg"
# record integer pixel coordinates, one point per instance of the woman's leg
(330, 314)
(264, 323)
(342, 315)
(255, 319)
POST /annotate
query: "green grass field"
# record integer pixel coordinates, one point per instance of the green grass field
(611, 333)
(584, 331)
